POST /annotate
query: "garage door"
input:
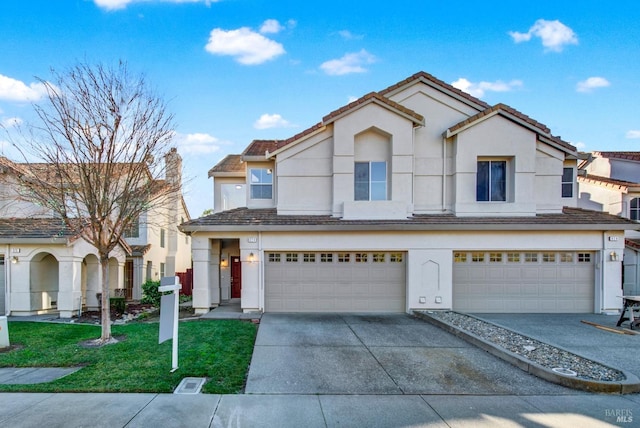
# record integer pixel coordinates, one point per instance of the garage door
(534, 282)
(335, 282)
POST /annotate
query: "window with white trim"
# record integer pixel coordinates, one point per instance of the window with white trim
(567, 182)
(261, 183)
(491, 180)
(634, 209)
(370, 181)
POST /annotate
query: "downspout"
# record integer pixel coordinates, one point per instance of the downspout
(7, 279)
(261, 272)
(444, 172)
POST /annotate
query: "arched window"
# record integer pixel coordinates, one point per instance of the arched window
(634, 209)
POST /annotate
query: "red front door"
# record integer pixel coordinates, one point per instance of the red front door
(236, 277)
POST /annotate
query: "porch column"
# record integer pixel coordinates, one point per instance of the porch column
(69, 286)
(202, 291)
(612, 254)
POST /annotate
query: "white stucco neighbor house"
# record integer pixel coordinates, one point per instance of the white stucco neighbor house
(418, 196)
(46, 269)
(610, 182)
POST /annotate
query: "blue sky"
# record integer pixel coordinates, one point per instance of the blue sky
(236, 70)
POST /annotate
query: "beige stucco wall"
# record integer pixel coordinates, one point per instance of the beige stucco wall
(428, 254)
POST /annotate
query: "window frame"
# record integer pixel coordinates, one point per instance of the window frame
(370, 181)
(634, 211)
(258, 189)
(567, 183)
(492, 187)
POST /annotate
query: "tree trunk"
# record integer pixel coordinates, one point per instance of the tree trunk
(105, 318)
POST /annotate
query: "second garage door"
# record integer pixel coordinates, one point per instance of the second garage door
(515, 281)
(335, 282)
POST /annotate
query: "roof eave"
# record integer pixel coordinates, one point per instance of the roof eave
(409, 227)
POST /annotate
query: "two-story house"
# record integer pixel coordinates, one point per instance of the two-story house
(44, 268)
(418, 196)
(610, 182)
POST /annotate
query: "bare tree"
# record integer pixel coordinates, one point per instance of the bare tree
(95, 157)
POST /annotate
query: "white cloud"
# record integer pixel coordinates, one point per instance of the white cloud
(197, 143)
(633, 134)
(271, 26)
(244, 44)
(352, 98)
(479, 89)
(554, 35)
(121, 4)
(348, 35)
(15, 90)
(349, 63)
(10, 122)
(592, 83)
(580, 146)
(267, 121)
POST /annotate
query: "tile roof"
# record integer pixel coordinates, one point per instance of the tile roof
(268, 219)
(140, 250)
(596, 179)
(632, 243)
(34, 228)
(368, 98)
(260, 147)
(634, 156)
(230, 163)
(421, 75)
(505, 108)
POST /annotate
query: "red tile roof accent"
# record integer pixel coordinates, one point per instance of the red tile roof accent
(260, 147)
(632, 243)
(230, 163)
(634, 156)
(256, 219)
(426, 76)
(607, 181)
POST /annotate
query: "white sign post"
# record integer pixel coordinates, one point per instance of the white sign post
(169, 315)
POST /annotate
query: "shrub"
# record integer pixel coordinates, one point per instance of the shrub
(150, 293)
(117, 304)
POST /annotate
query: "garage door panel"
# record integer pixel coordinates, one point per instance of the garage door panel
(524, 284)
(338, 284)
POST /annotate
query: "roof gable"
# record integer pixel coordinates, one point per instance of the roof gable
(516, 117)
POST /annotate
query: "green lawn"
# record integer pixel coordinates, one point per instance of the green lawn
(219, 350)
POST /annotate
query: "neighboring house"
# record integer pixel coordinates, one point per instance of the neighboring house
(418, 196)
(611, 183)
(43, 268)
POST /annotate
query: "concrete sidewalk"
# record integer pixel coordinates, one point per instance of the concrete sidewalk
(168, 410)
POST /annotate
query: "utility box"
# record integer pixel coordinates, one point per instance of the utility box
(4, 333)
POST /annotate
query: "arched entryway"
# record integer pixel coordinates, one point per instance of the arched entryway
(44, 283)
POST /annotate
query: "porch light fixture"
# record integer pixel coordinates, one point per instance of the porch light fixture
(14, 259)
(251, 257)
(224, 262)
(613, 256)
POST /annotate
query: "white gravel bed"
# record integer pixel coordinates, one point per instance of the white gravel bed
(541, 353)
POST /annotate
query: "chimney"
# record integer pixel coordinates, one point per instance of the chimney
(173, 165)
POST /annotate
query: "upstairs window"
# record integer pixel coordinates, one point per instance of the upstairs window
(261, 183)
(491, 180)
(567, 182)
(370, 181)
(634, 209)
(133, 231)
(162, 238)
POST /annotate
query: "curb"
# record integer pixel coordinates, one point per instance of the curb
(630, 385)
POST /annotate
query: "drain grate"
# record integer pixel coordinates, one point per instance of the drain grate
(190, 385)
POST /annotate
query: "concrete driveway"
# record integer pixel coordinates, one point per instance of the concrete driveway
(377, 354)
